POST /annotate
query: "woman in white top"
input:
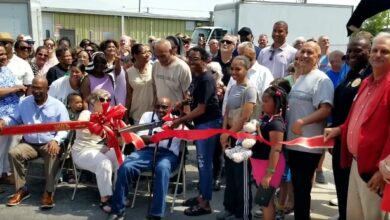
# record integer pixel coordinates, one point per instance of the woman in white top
(140, 95)
(89, 151)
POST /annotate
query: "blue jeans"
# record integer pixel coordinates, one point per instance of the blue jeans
(205, 150)
(136, 163)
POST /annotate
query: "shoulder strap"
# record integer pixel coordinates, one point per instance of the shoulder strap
(152, 120)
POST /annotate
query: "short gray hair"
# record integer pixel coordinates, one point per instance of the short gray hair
(381, 35)
(98, 93)
(246, 44)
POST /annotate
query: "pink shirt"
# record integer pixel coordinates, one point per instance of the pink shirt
(363, 103)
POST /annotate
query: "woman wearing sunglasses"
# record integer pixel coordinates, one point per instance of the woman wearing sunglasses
(40, 61)
(89, 151)
(23, 50)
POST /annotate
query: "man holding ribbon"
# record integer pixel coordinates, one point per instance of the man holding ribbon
(142, 160)
(36, 109)
(365, 137)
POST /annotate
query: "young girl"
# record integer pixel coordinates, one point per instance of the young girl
(268, 161)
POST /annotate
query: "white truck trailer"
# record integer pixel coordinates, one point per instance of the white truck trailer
(21, 17)
(307, 20)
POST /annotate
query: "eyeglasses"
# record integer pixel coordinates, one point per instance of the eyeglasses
(272, 55)
(25, 48)
(226, 41)
(43, 55)
(158, 106)
(49, 45)
(101, 99)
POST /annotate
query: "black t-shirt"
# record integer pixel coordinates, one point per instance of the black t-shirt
(261, 150)
(344, 94)
(225, 68)
(55, 72)
(203, 91)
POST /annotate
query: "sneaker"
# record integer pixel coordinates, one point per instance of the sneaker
(115, 217)
(18, 197)
(47, 201)
(223, 215)
(320, 178)
(334, 202)
(258, 214)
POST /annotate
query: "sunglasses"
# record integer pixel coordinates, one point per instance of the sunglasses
(5, 42)
(49, 45)
(25, 48)
(43, 55)
(226, 41)
(101, 99)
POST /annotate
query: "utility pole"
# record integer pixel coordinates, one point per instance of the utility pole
(139, 6)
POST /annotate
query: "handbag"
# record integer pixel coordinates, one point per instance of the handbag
(263, 196)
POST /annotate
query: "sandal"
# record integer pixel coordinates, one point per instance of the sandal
(196, 211)
(105, 206)
(191, 202)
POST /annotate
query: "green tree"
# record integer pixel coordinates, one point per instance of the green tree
(377, 23)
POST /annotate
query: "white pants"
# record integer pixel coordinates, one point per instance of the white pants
(102, 164)
(6, 142)
(362, 204)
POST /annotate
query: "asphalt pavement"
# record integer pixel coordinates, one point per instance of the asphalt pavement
(86, 203)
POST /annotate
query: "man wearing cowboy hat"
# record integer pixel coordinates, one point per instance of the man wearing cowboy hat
(19, 67)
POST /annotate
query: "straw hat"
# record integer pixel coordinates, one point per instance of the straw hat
(5, 36)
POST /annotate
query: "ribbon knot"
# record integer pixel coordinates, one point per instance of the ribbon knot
(107, 124)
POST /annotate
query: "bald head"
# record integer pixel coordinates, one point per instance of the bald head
(40, 87)
(162, 106)
(163, 52)
(163, 44)
(40, 80)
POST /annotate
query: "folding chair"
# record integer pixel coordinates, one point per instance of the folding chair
(66, 145)
(77, 175)
(180, 170)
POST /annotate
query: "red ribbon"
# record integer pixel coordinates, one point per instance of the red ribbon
(386, 199)
(107, 123)
(312, 142)
(42, 128)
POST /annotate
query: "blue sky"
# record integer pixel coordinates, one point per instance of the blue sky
(192, 8)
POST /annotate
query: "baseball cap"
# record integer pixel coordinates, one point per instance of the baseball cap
(245, 31)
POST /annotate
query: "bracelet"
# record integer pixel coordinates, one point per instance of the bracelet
(270, 170)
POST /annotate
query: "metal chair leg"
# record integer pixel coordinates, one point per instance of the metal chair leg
(135, 191)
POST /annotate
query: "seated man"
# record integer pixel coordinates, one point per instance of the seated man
(36, 109)
(166, 161)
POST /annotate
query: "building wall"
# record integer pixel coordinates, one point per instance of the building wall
(100, 27)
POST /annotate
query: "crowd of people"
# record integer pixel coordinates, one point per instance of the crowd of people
(289, 91)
